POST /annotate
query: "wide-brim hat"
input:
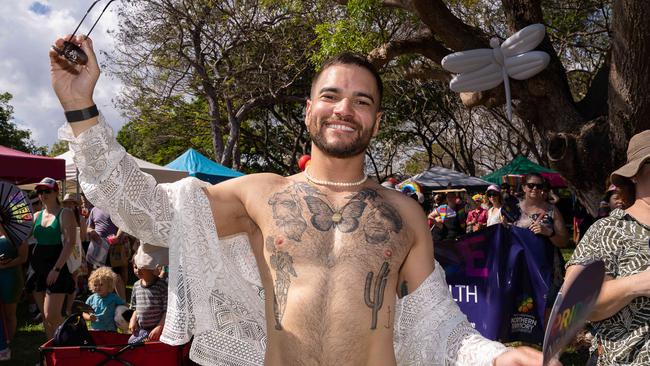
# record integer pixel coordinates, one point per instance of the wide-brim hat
(638, 152)
(47, 182)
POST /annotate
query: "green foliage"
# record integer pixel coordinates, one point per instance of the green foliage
(580, 33)
(164, 129)
(360, 27)
(58, 148)
(10, 134)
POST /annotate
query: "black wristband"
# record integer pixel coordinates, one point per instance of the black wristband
(82, 114)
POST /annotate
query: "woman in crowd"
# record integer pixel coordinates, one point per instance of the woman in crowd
(545, 221)
(71, 202)
(493, 195)
(621, 316)
(54, 230)
(538, 215)
(12, 256)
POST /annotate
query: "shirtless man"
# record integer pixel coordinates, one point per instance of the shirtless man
(333, 249)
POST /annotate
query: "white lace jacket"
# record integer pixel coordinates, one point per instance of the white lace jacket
(215, 292)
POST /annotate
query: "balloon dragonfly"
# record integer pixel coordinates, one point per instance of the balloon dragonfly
(485, 68)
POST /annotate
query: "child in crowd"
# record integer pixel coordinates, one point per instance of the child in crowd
(104, 300)
(148, 299)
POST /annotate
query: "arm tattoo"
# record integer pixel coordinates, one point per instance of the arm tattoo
(378, 295)
(282, 263)
(403, 289)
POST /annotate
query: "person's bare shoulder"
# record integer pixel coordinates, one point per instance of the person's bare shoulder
(405, 205)
(256, 184)
(245, 192)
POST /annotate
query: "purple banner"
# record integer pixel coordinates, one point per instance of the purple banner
(500, 277)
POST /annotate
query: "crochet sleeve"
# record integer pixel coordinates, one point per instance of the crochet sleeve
(111, 180)
(430, 329)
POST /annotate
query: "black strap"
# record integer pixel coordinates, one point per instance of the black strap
(82, 114)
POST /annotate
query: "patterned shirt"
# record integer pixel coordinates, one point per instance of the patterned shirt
(150, 303)
(623, 244)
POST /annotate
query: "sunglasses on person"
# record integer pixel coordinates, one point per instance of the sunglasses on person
(43, 191)
(539, 186)
(492, 194)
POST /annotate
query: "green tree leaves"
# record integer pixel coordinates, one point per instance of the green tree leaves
(10, 134)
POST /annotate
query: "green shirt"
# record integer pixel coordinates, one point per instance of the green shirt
(50, 235)
(623, 244)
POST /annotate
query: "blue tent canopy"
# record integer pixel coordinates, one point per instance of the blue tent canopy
(197, 165)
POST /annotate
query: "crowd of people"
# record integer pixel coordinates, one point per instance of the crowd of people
(37, 270)
(619, 236)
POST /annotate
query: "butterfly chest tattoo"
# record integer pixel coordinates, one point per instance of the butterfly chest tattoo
(289, 214)
(368, 226)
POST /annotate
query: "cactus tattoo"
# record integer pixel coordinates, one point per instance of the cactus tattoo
(377, 299)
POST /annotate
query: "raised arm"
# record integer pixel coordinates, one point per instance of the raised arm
(109, 176)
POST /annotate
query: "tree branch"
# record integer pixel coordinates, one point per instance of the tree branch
(455, 34)
(425, 44)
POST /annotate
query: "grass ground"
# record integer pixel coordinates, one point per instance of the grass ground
(29, 336)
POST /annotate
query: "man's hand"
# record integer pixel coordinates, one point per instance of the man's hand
(155, 333)
(74, 84)
(522, 356)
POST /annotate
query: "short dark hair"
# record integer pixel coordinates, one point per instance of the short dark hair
(535, 175)
(349, 58)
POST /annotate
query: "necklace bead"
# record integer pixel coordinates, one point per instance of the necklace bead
(336, 184)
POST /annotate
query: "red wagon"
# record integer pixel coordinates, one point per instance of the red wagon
(112, 349)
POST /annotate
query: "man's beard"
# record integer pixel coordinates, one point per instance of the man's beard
(338, 149)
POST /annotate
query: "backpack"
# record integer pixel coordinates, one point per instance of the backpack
(73, 332)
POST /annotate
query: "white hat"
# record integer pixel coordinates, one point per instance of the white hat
(150, 256)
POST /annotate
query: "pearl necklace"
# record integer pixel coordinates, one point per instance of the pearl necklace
(336, 184)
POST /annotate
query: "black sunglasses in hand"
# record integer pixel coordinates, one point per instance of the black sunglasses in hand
(71, 51)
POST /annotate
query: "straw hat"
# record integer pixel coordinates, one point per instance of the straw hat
(638, 152)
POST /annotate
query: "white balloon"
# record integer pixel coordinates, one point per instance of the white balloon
(484, 68)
